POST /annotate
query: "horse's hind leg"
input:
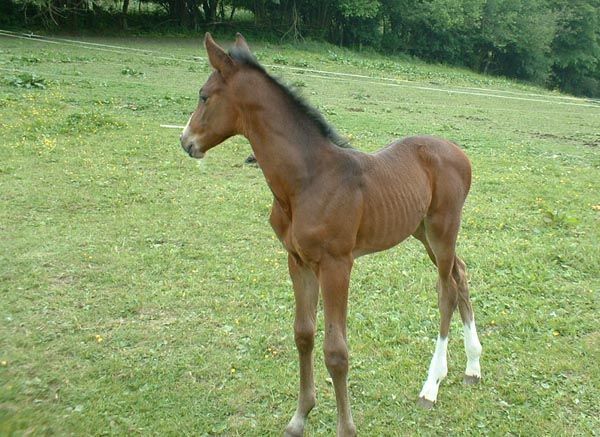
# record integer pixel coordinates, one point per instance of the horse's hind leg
(438, 234)
(439, 239)
(472, 344)
(306, 292)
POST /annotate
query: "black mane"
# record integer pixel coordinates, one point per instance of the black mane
(246, 58)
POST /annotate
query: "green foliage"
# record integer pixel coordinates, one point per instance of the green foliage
(359, 8)
(576, 47)
(548, 42)
(27, 80)
(440, 30)
(517, 35)
(128, 71)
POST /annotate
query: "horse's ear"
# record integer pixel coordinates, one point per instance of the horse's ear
(240, 42)
(217, 57)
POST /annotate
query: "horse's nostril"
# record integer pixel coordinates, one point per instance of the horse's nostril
(189, 150)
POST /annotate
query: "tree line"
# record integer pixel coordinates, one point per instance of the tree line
(555, 43)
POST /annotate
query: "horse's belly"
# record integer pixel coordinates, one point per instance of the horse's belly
(390, 216)
(384, 237)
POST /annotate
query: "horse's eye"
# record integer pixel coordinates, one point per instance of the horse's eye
(203, 97)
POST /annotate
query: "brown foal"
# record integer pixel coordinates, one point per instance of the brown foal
(332, 204)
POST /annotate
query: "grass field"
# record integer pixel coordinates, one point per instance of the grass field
(143, 293)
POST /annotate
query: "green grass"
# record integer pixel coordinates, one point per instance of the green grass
(144, 293)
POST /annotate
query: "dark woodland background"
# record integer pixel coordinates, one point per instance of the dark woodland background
(553, 43)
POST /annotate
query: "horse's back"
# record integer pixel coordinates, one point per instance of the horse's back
(406, 181)
(449, 171)
(442, 160)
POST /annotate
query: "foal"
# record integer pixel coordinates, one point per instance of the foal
(332, 204)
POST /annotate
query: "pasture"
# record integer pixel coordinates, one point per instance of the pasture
(144, 293)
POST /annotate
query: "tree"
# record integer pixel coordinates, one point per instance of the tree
(551, 42)
(210, 10)
(516, 37)
(443, 30)
(576, 47)
(358, 21)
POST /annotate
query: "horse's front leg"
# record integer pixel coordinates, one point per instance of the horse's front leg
(334, 278)
(306, 292)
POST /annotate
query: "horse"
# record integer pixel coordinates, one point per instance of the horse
(332, 204)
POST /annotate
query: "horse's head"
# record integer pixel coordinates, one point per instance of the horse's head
(216, 117)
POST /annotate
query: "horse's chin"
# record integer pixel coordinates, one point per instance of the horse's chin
(197, 154)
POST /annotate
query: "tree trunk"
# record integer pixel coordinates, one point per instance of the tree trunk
(210, 10)
(124, 14)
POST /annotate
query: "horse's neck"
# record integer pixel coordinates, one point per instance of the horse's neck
(287, 154)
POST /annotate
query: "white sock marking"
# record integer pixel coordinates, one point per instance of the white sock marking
(473, 349)
(438, 369)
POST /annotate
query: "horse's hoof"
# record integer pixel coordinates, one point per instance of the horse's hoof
(471, 379)
(296, 427)
(290, 432)
(426, 404)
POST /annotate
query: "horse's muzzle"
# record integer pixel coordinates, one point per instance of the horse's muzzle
(187, 146)
(193, 152)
